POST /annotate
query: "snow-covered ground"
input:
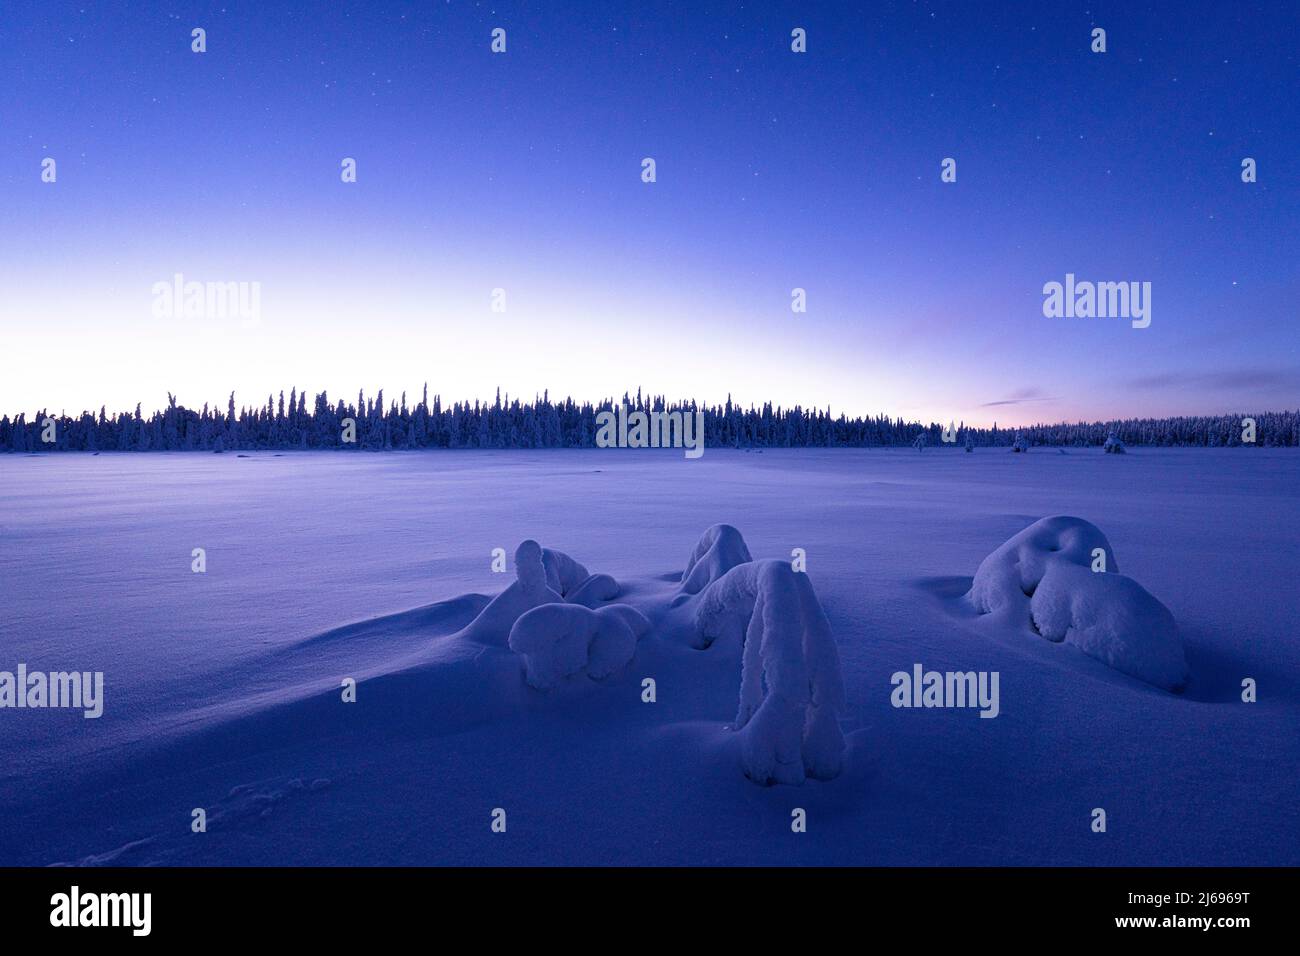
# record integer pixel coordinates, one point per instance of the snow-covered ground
(223, 690)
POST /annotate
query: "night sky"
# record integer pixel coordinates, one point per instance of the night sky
(775, 170)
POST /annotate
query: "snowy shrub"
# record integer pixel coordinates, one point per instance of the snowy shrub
(563, 574)
(1062, 574)
(1012, 572)
(529, 590)
(597, 589)
(543, 576)
(563, 640)
(1113, 445)
(791, 689)
(1021, 444)
(530, 569)
(1114, 619)
(571, 581)
(718, 550)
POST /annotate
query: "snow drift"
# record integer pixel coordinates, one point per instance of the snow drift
(791, 689)
(1062, 572)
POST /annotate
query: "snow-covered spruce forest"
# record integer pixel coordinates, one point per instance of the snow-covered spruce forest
(287, 424)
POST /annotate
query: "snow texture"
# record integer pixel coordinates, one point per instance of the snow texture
(1063, 571)
(791, 689)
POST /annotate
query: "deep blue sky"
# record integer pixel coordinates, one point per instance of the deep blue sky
(775, 170)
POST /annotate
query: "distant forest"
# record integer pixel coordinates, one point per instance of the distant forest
(287, 424)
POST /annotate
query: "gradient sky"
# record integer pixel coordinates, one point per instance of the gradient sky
(775, 170)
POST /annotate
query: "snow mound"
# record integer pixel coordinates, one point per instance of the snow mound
(718, 550)
(563, 574)
(1062, 571)
(530, 589)
(791, 688)
(558, 619)
(543, 576)
(1114, 619)
(597, 589)
(1012, 572)
(558, 641)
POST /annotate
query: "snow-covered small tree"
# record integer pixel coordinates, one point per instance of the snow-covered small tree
(1113, 445)
(719, 550)
(1021, 444)
(791, 688)
(1059, 577)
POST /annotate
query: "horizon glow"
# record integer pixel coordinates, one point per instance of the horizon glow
(775, 170)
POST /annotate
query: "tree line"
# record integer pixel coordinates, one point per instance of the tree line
(542, 423)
